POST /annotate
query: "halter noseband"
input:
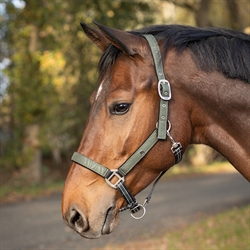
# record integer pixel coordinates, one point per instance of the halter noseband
(160, 133)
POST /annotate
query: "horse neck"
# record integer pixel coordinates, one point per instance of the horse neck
(218, 109)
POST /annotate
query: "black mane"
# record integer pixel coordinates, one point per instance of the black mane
(213, 49)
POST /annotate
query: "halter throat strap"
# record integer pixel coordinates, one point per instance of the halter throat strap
(116, 178)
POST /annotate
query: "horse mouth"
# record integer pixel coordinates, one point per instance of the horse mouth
(109, 221)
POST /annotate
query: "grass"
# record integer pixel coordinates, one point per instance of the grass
(217, 167)
(12, 193)
(229, 230)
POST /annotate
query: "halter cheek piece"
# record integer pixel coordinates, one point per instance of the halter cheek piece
(115, 178)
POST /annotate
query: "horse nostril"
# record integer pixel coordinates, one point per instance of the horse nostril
(77, 220)
(75, 217)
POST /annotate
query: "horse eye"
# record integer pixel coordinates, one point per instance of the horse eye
(120, 109)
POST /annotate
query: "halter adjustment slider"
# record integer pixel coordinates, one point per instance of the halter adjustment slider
(176, 146)
(114, 174)
(177, 151)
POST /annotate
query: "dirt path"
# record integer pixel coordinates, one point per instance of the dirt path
(37, 224)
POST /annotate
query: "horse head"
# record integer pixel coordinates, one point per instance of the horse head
(124, 112)
(127, 141)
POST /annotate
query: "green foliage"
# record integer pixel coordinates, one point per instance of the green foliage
(18, 191)
(53, 69)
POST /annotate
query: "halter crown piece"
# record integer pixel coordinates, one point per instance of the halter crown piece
(160, 133)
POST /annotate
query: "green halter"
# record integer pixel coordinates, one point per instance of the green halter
(160, 133)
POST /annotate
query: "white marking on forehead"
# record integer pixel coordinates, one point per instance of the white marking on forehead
(99, 90)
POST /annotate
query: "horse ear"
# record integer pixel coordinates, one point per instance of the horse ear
(96, 36)
(126, 42)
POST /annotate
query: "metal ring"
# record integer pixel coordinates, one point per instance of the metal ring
(169, 126)
(144, 212)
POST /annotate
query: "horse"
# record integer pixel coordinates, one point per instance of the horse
(160, 89)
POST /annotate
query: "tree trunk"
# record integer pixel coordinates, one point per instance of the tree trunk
(202, 14)
(57, 155)
(234, 15)
(32, 171)
(31, 132)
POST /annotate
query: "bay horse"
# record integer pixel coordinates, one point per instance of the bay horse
(160, 89)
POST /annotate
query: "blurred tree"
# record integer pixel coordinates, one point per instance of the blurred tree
(198, 8)
(52, 70)
(28, 90)
(232, 14)
(52, 74)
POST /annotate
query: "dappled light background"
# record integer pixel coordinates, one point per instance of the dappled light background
(48, 72)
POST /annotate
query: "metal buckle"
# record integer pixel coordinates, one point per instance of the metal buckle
(115, 173)
(166, 90)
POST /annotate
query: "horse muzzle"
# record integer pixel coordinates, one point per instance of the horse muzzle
(90, 228)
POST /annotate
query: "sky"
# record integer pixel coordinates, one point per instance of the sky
(4, 82)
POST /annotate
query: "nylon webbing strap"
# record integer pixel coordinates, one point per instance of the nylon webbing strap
(126, 194)
(163, 86)
(125, 167)
(91, 165)
(156, 55)
(148, 198)
(138, 154)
